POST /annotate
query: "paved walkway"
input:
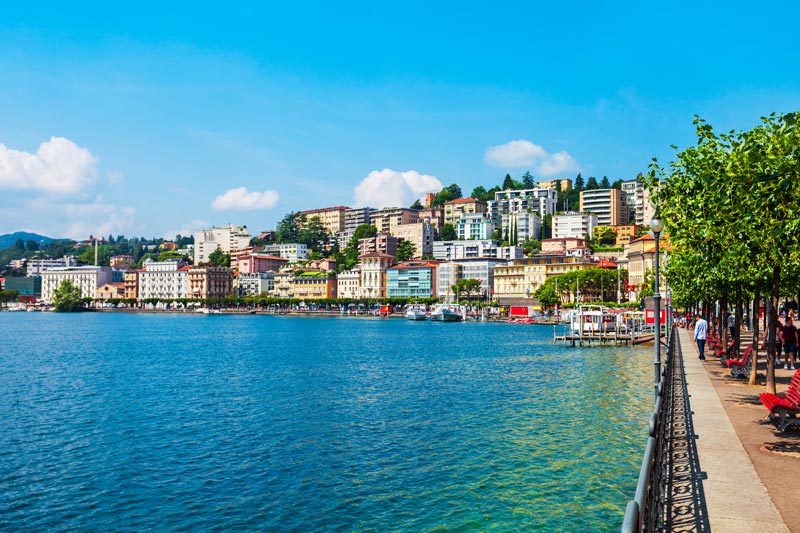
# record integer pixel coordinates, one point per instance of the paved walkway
(735, 498)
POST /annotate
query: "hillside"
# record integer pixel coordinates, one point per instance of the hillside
(10, 238)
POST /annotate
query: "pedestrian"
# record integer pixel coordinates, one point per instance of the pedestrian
(732, 325)
(788, 336)
(700, 332)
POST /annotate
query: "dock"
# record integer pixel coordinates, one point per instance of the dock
(594, 338)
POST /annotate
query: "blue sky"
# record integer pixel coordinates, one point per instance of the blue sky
(141, 119)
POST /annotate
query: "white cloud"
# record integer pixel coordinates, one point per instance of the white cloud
(187, 229)
(58, 166)
(522, 153)
(240, 199)
(97, 218)
(390, 188)
(115, 177)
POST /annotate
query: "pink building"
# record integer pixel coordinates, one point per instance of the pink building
(562, 245)
(260, 263)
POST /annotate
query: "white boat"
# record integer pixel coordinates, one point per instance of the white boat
(447, 313)
(416, 312)
(593, 319)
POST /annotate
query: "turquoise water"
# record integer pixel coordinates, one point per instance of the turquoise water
(260, 423)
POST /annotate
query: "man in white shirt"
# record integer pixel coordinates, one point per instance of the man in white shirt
(700, 332)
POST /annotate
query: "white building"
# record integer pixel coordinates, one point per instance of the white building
(164, 280)
(481, 269)
(229, 239)
(349, 284)
(420, 234)
(255, 283)
(575, 225)
(474, 227)
(634, 197)
(35, 267)
(541, 200)
(86, 278)
(294, 252)
(452, 250)
(525, 225)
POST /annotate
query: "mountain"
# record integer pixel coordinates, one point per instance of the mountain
(10, 238)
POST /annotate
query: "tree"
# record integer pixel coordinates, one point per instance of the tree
(406, 250)
(479, 193)
(547, 226)
(466, 287)
(617, 184)
(67, 297)
(7, 296)
(311, 232)
(508, 183)
(604, 235)
(416, 205)
(448, 233)
(364, 231)
(286, 230)
(527, 180)
(604, 183)
(591, 183)
(546, 294)
(531, 246)
(451, 192)
(578, 183)
(219, 258)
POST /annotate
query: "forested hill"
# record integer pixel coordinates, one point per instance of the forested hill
(10, 238)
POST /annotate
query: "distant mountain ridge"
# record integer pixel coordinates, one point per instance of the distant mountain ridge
(10, 238)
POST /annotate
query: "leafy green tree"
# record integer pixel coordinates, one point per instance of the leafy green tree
(363, 231)
(592, 184)
(617, 185)
(547, 226)
(604, 183)
(416, 205)
(527, 180)
(448, 233)
(406, 250)
(466, 287)
(7, 296)
(579, 183)
(531, 246)
(546, 294)
(286, 230)
(219, 258)
(67, 297)
(311, 232)
(479, 193)
(451, 192)
(604, 235)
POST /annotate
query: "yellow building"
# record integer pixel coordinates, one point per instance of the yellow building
(608, 205)
(623, 233)
(524, 276)
(210, 282)
(559, 185)
(313, 285)
(331, 217)
(386, 220)
(373, 274)
(462, 206)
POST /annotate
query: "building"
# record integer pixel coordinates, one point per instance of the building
(121, 261)
(608, 204)
(257, 262)
(131, 283)
(314, 285)
(331, 217)
(412, 279)
(624, 234)
(163, 280)
(294, 252)
(454, 209)
(86, 278)
(284, 283)
(573, 225)
(634, 198)
(640, 259)
(27, 286)
(428, 199)
(520, 279)
(382, 243)
(434, 215)
(254, 283)
(373, 268)
(35, 267)
(387, 219)
(357, 216)
(559, 185)
(420, 234)
(110, 291)
(562, 246)
(168, 246)
(228, 239)
(210, 282)
(541, 200)
(481, 268)
(521, 225)
(451, 250)
(474, 227)
(348, 284)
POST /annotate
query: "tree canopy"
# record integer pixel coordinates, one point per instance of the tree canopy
(67, 297)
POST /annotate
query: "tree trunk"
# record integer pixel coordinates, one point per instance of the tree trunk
(722, 324)
(754, 316)
(737, 327)
(773, 323)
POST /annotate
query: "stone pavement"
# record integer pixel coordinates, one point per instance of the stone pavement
(732, 496)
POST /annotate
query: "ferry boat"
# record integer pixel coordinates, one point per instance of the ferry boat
(416, 312)
(593, 319)
(447, 313)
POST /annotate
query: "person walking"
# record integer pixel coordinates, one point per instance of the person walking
(788, 336)
(732, 325)
(700, 333)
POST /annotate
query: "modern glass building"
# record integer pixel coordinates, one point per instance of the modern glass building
(412, 280)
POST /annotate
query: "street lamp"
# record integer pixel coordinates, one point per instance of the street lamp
(656, 227)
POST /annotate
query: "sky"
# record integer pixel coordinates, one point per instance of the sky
(156, 119)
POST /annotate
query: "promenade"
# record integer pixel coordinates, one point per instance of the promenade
(742, 474)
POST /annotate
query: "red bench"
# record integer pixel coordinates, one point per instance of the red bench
(783, 409)
(741, 367)
(729, 351)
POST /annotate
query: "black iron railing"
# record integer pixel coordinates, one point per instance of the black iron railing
(647, 511)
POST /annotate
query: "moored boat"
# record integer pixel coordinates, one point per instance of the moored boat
(593, 319)
(447, 313)
(416, 312)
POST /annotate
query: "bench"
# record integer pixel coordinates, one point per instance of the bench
(729, 351)
(741, 367)
(783, 409)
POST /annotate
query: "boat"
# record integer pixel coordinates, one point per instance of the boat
(593, 319)
(416, 312)
(447, 313)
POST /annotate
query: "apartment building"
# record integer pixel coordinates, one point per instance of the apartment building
(481, 268)
(229, 239)
(357, 216)
(333, 218)
(210, 282)
(523, 277)
(35, 267)
(348, 284)
(412, 279)
(258, 262)
(86, 278)
(163, 280)
(624, 233)
(294, 252)
(559, 185)
(608, 204)
(573, 225)
(474, 226)
(541, 200)
(454, 209)
(519, 226)
(420, 234)
(387, 219)
(373, 268)
(634, 198)
(382, 243)
(314, 285)
(254, 283)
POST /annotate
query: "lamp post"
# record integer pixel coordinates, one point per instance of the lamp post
(656, 227)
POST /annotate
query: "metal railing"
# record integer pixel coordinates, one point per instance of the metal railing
(646, 512)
